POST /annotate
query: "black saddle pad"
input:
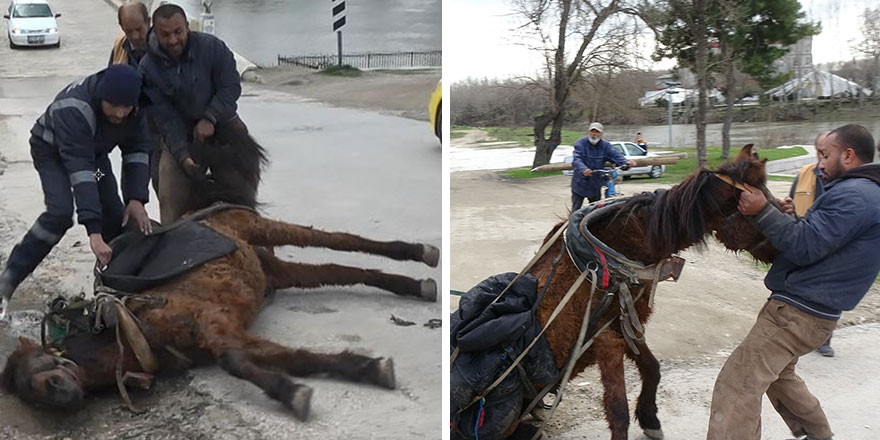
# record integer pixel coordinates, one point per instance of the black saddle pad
(141, 262)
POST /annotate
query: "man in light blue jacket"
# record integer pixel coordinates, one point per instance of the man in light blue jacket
(827, 261)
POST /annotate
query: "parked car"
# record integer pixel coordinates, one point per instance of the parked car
(632, 151)
(31, 23)
(435, 112)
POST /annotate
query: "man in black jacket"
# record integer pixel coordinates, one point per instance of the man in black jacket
(193, 84)
(70, 143)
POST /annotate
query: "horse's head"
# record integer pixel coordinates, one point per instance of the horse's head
(41, 378)
(737, 232)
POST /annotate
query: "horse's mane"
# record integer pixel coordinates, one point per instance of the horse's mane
(236, 168)
(676, 218)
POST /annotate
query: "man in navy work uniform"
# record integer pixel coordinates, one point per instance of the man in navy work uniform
(193, 84)
(70, 143)
(590, 153)
(827, 261)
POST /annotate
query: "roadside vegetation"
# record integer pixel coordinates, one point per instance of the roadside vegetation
(343, 70)
(675, 174)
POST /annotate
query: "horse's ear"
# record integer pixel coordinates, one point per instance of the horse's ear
(747, 153)
(7, 376)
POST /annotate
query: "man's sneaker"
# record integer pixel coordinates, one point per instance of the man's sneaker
(826, 350)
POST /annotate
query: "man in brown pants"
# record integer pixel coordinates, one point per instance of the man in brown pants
(828, 260)
(192, 83)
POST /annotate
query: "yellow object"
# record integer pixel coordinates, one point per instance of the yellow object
(435, 112)
(805, 191)
(120, 56)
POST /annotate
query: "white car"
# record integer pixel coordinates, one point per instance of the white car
(31, 23)
(632, 151)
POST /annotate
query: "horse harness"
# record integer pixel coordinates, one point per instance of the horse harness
(591, 256)
(109, 308)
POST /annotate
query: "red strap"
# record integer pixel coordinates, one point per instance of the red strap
(604, 267)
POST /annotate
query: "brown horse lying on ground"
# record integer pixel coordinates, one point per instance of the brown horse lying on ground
(649, 228)
(203, 315)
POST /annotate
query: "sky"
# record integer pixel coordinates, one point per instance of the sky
(480, 42)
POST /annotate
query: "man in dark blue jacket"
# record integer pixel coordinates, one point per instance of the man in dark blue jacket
(70, 143)
(590, 153)
(192, 82)
(827, 262)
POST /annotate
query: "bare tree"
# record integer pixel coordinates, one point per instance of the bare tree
(601, 33)
(869, 46)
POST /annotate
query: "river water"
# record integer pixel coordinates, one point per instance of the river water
(260, 30)
(491, 156)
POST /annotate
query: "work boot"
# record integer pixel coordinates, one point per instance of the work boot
(826, 350)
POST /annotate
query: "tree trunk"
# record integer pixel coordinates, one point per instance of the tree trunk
(701, 65)
(543, 146)
(730, 99)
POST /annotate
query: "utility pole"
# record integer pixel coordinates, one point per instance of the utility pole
(338, 9)
(670, 85)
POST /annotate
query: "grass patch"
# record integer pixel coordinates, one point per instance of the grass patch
(781, 178)
(525, 173)
(343, 70)
(457, 134)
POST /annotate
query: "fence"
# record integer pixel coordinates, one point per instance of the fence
(369, 60)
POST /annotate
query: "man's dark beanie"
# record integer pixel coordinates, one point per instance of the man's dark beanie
(120, 85)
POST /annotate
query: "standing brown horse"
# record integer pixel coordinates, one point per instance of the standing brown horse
(649, 228)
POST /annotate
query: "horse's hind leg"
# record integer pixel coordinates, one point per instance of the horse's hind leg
(646, 408)
(283, 274)
(259, 231)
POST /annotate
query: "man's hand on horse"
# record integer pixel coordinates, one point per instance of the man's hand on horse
(751, 201)
(101, 249)
(204, 129)
(786, 205)
(136, 211)
(191, 167)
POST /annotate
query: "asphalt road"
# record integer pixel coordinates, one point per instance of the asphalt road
(338, 169)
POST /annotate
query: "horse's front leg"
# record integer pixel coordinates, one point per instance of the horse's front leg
(646, 409)
(612, 348)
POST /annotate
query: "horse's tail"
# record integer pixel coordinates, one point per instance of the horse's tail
(236, 162)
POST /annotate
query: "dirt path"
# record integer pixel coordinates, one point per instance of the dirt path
(496, 226)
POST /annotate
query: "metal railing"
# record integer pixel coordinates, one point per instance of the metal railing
(368, 60)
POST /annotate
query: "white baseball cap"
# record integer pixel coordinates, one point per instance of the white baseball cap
(597, 126)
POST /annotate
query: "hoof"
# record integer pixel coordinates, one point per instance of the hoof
(428, 290)
(385, 373)
(301, 401)
(430, 255)
(654, 434)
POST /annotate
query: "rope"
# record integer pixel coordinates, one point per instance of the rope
(525, 269)
(574, 287)
(572, 359)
